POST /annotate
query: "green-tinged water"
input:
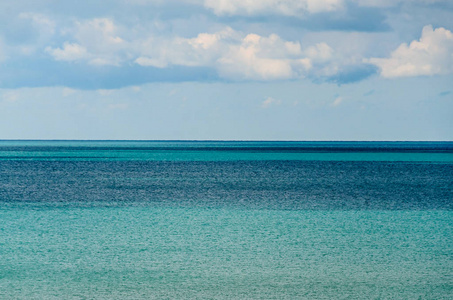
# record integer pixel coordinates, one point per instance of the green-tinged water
(168, 253)
(220, 220)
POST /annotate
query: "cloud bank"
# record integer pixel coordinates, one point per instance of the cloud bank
(102, 44)
(233, 54)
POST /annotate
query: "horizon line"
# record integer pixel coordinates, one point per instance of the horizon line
(213, 140)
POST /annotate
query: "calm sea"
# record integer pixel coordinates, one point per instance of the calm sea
(226, 220)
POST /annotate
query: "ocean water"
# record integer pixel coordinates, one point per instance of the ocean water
(226, 220)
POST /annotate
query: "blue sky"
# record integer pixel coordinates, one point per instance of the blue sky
(227, 69)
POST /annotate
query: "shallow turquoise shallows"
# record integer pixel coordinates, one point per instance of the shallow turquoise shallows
(219, 220)
(143, 252)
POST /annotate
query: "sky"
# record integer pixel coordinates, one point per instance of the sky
(359, 70)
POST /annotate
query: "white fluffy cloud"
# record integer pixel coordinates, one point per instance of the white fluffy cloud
(263, 58)
(202, 50)
(97, 41)
(235, 55)
(284, 7)
(431, 55)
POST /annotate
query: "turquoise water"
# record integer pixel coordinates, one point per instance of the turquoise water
(226, 151)
(142, 252)
(226, 221)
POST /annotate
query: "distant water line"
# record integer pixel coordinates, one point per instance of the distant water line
(440, 152)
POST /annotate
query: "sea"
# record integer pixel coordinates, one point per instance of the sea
(226, 220)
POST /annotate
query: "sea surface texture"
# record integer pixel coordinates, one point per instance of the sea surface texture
(226, 220)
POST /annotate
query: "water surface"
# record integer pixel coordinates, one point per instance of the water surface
(225, 220)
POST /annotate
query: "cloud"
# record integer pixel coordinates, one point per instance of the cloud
(45, 25)
(299, 8)
(320, 52)
(343, 15)
(235, 55)
(39, 72)
(283, 7)
(263, 58)
(26, 28)
(337, 101)
(69, 52)
(431, 55)
(104, 92)
(389, 3)
(10, 96)
(97, 41)
(98, 46)
(151, 62)
(270, 101)
(232, 54)
(99, 33)
(66, 92)
(202, 50)
(25, 33)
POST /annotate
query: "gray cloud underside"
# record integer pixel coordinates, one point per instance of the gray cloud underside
(37, 73)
